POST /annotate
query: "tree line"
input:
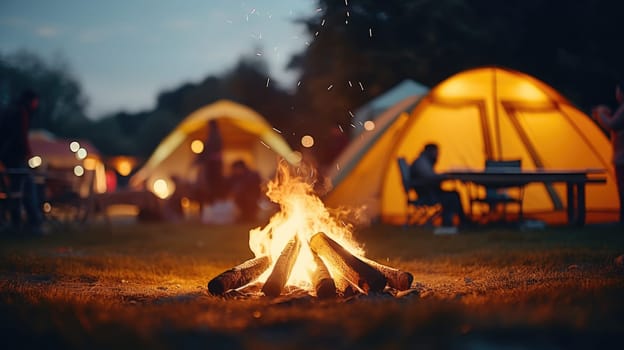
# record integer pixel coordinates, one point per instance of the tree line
(358, 49)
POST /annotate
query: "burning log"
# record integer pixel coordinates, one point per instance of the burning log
(353, 269)
(283, 266)
(322, 281)
(397, 279)
(239, 275)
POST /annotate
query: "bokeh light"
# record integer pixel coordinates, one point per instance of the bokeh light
(34, 162)
(369, 125)
(89, 164)
(124, 167)
(81, 153)
(307, 141)
(79, 170)
(197, 146)
(74, 146)
(161, 189)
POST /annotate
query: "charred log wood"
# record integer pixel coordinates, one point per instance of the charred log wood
(239, 275)
(397, 279)
(283, 266)
(357, 272)
(322, 281)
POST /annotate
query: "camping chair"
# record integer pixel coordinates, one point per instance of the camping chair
(499, 196)
(421, 210)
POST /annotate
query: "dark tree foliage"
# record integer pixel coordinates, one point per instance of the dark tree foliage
(571, 45)
(62, 103)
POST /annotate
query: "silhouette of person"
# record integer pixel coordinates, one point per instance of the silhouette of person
(210, 181)
(426, 182)
(244, 188)
(14, 154)
(614, 123)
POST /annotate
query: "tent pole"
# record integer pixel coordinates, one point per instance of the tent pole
(499, 145)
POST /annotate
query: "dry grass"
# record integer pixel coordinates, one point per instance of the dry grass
(145, 286)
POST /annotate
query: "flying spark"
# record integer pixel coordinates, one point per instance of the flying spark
(252, 11)
(277, 130)
(323, 22)
(351, 114)
(361, 86)
(350, 85)
(330, 87)
(337, 166)
(346, 2)
(265, 145)
(316, 34)
(347, 13)
(353, 125)
(299, 83)
(341, 129)
(319, 9)
(370, 32)
(258, 53)
(268, 80)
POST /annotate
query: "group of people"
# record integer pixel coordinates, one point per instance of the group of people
(17, 179)
(242, 186)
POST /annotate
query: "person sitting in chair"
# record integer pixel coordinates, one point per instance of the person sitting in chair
(244, 187)
(426, 182)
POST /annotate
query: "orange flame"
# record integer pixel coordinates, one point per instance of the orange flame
(301, 213)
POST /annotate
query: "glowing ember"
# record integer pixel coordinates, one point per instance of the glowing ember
(301, 213)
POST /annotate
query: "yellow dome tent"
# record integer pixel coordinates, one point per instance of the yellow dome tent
(246, 135)
(479, 114)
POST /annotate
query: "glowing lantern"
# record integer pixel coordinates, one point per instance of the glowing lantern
(124, 167)
(161, 188)
(197, 146)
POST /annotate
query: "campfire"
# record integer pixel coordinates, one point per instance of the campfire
(305, 247)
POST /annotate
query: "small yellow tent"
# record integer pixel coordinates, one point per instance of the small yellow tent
(479, 114)
(246, 135)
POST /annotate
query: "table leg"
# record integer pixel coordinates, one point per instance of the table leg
(571, 205)
(580, 203)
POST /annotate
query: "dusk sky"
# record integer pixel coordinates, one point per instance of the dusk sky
(124, 52)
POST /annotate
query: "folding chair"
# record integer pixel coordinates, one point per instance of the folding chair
(499, 195)
(421, 210)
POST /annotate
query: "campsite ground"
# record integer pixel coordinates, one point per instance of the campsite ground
(144, 285)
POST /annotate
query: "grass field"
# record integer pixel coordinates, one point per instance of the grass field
(144, 285)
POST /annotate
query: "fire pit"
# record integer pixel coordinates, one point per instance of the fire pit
(305, 247)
